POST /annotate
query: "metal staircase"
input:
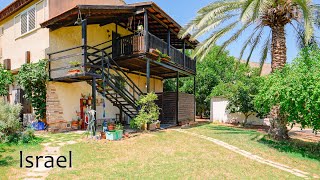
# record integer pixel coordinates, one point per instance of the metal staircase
(114, 83)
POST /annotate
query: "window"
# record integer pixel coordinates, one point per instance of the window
(1, 30)
(28, 20)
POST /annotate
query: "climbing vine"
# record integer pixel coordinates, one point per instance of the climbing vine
(6, 79)
(32, 78)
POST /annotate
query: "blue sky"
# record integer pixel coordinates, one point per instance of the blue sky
(184, 10)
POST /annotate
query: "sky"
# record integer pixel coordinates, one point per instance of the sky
(184, 11)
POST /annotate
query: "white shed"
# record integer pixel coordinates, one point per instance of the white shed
(219, 112)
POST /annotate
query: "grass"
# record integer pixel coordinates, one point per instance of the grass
(295, 153)
(166, 155)
(161, 155)
(10, 157)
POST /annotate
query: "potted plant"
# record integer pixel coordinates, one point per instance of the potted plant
(74, 65)
(148, 113)
(111, 126)
(165, 58)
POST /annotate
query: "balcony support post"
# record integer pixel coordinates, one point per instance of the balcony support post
(148, 75)
(194, 94)
(184, 53)
(168, 42)
(84, 42)
(177, 99)
(146, 30)
(94, 98)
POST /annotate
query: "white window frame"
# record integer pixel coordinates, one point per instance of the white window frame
(36, 19)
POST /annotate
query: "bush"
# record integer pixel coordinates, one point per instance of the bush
(28, 135)
(9, 121)
(32, 78)
(6, 79)
(149, 111)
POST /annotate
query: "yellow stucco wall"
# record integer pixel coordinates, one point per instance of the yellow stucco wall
(69, 94)
(14, 46)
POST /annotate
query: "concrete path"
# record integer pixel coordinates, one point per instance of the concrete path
(249, 155)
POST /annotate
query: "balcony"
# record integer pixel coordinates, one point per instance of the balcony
(136, 44)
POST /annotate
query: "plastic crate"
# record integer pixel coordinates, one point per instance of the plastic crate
(111, 135)
(119, 134)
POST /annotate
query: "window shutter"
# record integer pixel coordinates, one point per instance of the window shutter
(32, 19)
(24, 23)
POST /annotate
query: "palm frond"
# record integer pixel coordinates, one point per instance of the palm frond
(247, 42)
(234, 37)
(264, 52)
(204, 48)
(255, 43)
(307, 11)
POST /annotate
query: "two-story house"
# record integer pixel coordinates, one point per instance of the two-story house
(106, 49)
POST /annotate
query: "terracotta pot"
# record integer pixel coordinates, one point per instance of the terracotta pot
(144, 127)
(103, 135)
(158, 125)
(152, 126)
(165, 59)
(73, 71)
(111, 127)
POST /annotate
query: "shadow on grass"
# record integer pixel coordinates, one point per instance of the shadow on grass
(306, 149)
(6, 160)
(8, 148)
(228, 130)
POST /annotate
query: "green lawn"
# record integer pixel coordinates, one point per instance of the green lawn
(165, 155)
(9, 158)
(256, 143)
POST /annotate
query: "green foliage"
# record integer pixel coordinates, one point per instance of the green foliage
(149, 111)
(296, 89)
(9, 121)
(119, 126)
(242, 98)
(216, 76)
(6, 79)
(32, 78)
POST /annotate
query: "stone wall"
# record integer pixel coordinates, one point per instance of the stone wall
(54, 114)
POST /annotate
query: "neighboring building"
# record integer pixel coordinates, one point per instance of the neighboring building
(113, 42)
(218, 105)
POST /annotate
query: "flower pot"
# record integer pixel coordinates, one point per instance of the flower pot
(144, 127)
(103, 135)
(158, 125)
(152, 126)
(73, 71)
(119, 134)
(111, 127)
(165, 59)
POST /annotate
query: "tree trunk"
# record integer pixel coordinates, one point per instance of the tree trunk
(246, 116)
(278, 125)
(279, 48)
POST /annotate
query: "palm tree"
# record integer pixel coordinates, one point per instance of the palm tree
(265, 21)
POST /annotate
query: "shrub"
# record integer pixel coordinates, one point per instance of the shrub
(6, 79)
(149, 111)
(32, 78)
(9, 121)
(28, 135)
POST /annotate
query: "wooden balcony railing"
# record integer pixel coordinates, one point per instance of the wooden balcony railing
(135, 44)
